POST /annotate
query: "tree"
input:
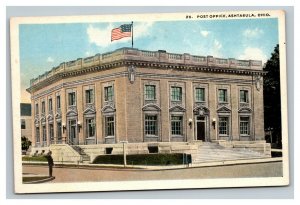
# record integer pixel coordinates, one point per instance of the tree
(25, 143)
(272, 103)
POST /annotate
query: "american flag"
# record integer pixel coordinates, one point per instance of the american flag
(121, 32)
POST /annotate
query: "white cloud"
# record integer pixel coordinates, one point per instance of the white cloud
(102, 37)
(204, 33)
(217, 44)
(253, 54)
(252, 33)
(215, 49)
(50, 60)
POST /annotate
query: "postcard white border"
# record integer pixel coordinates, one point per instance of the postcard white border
(140, 185)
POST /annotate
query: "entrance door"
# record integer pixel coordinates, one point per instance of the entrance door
(72, 132)
(201, 128)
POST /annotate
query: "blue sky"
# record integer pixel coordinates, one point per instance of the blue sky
(43, 46)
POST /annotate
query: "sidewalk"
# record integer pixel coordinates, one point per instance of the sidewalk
(167, 167)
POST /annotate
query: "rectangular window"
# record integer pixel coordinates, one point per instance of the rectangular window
(59, 131)
(110, 126)
(150, 92)
(222, 95)
(44, 133)
(244, 96)
(43, 107)
(50, 104)
(108, 93)
(36, 109)
(72, 99)
(58, 102)
(176, 93)
(23, 125)
(89, 96)
(200, 94)
(176, 125)
(90, 127)
(244, 126)
(51, 132)
(223, 126)
(37, 134)
(151, 125)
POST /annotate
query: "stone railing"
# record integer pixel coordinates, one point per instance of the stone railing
(160, 56)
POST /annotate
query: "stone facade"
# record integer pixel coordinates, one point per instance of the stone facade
(148, 97)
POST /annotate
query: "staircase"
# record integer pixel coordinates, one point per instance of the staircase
(84, 156)
(213, 152)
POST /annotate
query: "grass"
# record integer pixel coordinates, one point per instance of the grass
(142, 159)
(37, 178)
(34, 158)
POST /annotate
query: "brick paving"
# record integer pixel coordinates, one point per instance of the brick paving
(68, 174)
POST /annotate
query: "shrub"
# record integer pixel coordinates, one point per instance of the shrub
(142, 159)
(34, 158)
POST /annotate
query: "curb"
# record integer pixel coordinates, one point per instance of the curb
(40, 181)
(157, 168)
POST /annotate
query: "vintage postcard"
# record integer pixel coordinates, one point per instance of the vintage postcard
(149, 101)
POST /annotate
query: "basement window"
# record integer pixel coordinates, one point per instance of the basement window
(153, 149)
(108, 150)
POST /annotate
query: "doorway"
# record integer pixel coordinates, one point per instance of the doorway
(72, 132)
(201, 128)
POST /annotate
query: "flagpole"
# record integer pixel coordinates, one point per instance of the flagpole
(132, 34)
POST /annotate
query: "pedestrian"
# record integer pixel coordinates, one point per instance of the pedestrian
(50, 163)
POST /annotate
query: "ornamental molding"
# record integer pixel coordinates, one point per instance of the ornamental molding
(151, 107)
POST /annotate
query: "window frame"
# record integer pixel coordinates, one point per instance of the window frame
(72, 98)
(225, 96)
(89, 96)
(196, 94)
(175, 94)
(87, 128)
(23, 124)
(107, 129)
(245, 96)
(147, 91)
(180, 125)
(58, 102)
(43, 107)
(107, 97)
(147, 131)
(227, 126)
(50, 104)
(247, 127)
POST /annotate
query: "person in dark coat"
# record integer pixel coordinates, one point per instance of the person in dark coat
(50, 163)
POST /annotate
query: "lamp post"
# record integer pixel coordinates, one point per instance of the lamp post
(124, 151)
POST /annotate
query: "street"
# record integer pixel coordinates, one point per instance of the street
(72, 174)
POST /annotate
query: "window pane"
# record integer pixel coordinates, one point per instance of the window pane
(90, 127)
(244, 96)
(89, 96)
(58, 102)
(244, 126)
(223, 126)
(23, 125)
(36, 109)
(151, 125)
(200, 95)
(59, 135)
(110, 126)
(43, 107)
(108, 92)
(176, 125)
(150, 92)
(37, 134)
(222, 95)
(51, 134)
(50, 104)
(176, 93)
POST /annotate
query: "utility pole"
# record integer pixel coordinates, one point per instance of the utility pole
(124, 152)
